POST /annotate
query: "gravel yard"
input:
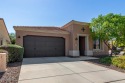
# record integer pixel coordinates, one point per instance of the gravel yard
(12, 73)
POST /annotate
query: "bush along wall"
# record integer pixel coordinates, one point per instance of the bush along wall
(15, 52)
(119, 61)
(116, 61)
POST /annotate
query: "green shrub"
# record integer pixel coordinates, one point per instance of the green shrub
(106, 60)
(15, 52)
(3, 51)
(119, 61)
(116, 61)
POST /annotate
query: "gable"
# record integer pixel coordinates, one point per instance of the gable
(3, 31)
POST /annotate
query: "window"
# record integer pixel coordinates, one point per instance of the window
(96, 44)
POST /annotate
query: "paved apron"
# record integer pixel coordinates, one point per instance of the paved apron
(66, 70)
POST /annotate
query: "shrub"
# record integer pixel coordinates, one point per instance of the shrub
(3, 51)
(119, 61)
(116, 61)
(15, 52)
(106, 60)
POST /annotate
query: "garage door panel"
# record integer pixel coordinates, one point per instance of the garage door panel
(43, 46)
(29, 47)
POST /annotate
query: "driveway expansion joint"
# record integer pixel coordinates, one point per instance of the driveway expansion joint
(68, 70)
(76, 73)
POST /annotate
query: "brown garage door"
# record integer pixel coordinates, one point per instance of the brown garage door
(39, 46)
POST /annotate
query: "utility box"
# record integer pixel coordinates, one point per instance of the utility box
(3, 62)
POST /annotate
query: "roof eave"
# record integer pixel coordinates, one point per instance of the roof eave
(45, 31)
(75, 22)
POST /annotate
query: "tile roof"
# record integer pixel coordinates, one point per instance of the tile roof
(75, 22)
(1, 18)
(41, 28)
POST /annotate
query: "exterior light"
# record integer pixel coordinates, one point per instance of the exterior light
(18, 37)
(83, 29)
(76, 38)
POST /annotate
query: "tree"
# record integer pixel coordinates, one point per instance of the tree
(109, 27)
(121, 39)
(12, 38)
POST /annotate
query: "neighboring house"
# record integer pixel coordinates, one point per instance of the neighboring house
(72, 39)
(4, 35)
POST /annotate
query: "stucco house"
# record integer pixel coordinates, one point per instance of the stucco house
(4, 35)
(72, 39)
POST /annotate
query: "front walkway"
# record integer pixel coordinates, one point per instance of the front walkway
(66, 70)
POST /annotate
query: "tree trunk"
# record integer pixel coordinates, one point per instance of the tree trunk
(111, 52)
(111, 49)
(108, 47)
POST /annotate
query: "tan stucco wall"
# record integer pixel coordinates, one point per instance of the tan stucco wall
(103, 51)
(75, 32)
(19, 41)
(3, 62)
(71, 39)
(70, 29)
(3, 33)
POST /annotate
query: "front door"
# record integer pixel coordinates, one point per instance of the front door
(82, 46)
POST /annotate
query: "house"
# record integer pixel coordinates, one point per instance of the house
(72, 39)
(4, 35)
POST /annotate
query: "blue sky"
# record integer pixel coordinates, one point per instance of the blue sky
(55, 12)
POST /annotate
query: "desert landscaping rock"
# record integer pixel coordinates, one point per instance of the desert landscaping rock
(12, 73)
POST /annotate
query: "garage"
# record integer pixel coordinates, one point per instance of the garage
(43, 46)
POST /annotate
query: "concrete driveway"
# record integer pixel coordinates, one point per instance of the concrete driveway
(66, 70)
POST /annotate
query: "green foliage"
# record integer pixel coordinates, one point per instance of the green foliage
(109, 27)
(12, 38)
(116, 61)
(106, 60)
(15, 52)
(3, 51)
(119, 61)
